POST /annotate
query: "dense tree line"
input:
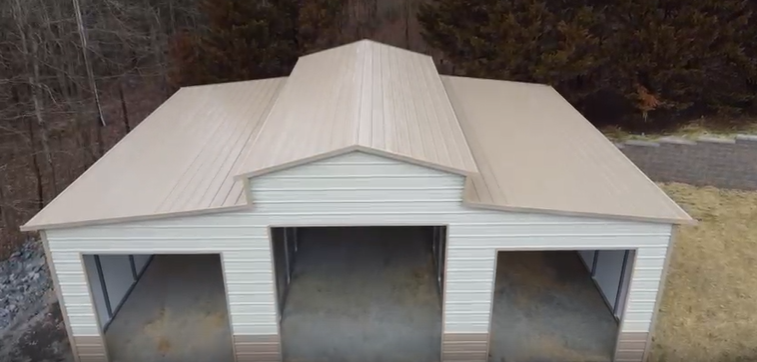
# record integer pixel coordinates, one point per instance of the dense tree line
(637, 58)
(246, 39)
(656, 55)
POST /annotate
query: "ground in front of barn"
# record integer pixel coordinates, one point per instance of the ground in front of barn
(177, 312)
(546, 308)
(362, 295)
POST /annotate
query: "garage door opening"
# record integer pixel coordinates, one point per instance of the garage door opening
(161, 307)
(360, 293)
(558, 305)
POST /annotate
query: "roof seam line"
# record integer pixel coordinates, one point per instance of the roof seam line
(267, 111)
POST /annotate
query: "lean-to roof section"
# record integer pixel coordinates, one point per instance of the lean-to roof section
(178, 160)
(366, 96)
(536, 152)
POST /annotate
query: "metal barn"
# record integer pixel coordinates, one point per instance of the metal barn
(365, 208)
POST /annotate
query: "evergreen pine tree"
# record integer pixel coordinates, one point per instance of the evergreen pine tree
(320, 24)
(683, 53)
(542, 41)
(658, 54)
(244, 39)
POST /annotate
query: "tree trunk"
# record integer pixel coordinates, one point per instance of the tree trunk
(84, 143)
(6, 211)
(87, 63)
(99, 133)
(82, 128)
(34, 83)
(124, 111)
(172, 18)
(33, 78)
(408, 7)
(56, 32)
(157, 50)
(35, 165)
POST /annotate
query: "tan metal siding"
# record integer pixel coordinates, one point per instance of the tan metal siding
(644, 292)
(344, 191)
(56, 285)
(251, 348)
(631, 346)
(245, 255)
(474, 234)
(90, 349)
(465, 347)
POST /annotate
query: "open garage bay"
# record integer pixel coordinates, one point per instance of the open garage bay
(176, 312)
(363, 294)
(547, 309)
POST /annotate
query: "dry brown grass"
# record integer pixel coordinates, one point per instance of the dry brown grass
(709, 309)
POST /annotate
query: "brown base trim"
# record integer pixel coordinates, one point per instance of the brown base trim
(90, 349)
(469, 347)
(257, 348)
(631, 346)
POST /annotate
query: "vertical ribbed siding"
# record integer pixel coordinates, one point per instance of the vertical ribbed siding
(471, 269)
(643, 295)
(360, 189)
(59, 295)
(246, 260)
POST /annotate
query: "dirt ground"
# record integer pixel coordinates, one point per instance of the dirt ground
(709, 308)
(40, 338)
(546, 308)
(176, 312)
(362, 294)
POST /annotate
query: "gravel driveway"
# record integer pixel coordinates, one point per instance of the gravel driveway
(31, 325)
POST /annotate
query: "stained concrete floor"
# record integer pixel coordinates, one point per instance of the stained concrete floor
(362, 295)
(547, 309)
(176, 313)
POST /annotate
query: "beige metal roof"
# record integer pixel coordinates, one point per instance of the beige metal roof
(367, 96)
(522, 146)
(177, 161)
(536, 152)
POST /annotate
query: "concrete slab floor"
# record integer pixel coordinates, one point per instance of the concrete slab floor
(546, 308)
(362, 295)
(176, 313)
